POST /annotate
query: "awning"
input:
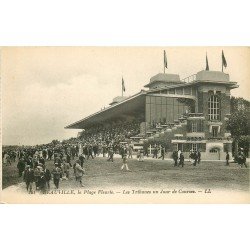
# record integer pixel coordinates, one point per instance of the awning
(132, 106)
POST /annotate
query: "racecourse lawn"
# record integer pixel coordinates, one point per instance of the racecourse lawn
(149, 174)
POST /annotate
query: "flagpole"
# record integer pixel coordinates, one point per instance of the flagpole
(122, 86)
(222, 60)
(164, 61)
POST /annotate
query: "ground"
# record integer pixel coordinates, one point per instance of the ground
(148, 174)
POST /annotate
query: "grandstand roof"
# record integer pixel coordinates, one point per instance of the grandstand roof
(131, 106)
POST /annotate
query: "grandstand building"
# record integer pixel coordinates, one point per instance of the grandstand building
(188, 114)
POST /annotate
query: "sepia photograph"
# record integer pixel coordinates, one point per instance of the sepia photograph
(125, 124)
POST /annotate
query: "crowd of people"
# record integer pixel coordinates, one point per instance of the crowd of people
(97, 141)
(115, 133)
(70, 154)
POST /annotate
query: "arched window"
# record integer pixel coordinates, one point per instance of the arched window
(214, 108)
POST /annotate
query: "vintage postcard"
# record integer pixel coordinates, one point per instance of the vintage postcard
(125, 124)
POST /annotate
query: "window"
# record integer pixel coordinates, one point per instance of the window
(170, 101)
(164, 100)
(215, 131)
(171, 91)
(194, 147)
(187, 91)
(213, 150)
(179, 91)
(214, 108)
(194, 126)
(158, 100)
(180, 147)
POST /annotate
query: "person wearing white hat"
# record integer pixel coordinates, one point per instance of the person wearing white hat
(125, 162)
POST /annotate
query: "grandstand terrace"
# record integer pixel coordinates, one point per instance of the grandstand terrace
(187, 115)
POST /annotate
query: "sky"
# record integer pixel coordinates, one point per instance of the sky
(45, 89)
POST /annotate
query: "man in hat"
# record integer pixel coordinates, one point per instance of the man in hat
(37, 175)
(111, 154)
(155, 151)
(68, 159)
(104, 150)
(175, 158)
(181, 160)
(162, 153)
(29, 161)
(130, 151)
(198, 156)
(41, 160)
(227, 158)
(21, 166)
(47, 176)
(65, 168)
(42, 184)
(79, 172)
(29, 178)
(141, 155)
(81, 158)
(56, 172)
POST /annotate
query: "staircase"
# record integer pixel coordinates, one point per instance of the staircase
(169, 130)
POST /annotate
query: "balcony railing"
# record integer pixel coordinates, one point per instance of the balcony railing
(189, 79)
(195, 115)
(215, 138)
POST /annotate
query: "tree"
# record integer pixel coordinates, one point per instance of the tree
(239, 103)
(239, 122)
